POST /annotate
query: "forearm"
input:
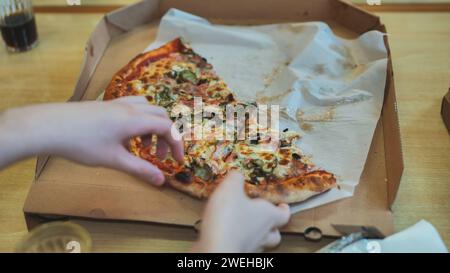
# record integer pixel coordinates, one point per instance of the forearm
(17, 138)
(71, 130)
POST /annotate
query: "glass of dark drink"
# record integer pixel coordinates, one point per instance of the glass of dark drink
(18, 25)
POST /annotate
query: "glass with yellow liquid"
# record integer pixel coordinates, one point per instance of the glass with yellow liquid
(56, 237)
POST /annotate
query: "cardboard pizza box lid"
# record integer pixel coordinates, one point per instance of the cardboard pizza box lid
(63, 188)
(445, 110)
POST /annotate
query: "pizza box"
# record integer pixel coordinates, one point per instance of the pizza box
(65, 189)
(445, 110)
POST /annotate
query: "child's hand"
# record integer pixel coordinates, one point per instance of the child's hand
(91, 133)
(232, 222)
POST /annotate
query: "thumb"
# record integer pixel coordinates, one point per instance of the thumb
(234, 181)
(131, 164)
(281, 214)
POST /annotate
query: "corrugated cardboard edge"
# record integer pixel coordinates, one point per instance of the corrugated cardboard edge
(116, 23)
(347, 14)
(391, 130)
(445, 110)
(140, 14)
(313, 10)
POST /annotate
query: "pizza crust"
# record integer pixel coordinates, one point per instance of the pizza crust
(292, 190)
(195, 189)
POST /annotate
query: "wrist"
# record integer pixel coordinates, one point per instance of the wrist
(17, 139)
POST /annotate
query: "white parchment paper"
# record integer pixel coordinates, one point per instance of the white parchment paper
(330, 89)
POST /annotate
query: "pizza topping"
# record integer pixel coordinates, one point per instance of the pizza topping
(287, 138)
(269, 166)
(187, 76)
(296, 156)
(164, 97)
(183, 176)
(173, 74)
(284, 162)
(283, 170)
(200, 61)
(204, 172)
(202, 81)
(223, 151)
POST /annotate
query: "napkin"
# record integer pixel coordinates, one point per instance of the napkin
(419, 238)
(330, 89)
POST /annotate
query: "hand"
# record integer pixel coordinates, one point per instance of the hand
(232, 222)
(91, 133)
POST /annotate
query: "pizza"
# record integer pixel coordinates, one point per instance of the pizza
(174, 75)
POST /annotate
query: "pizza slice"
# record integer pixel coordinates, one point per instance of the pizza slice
(175, 75)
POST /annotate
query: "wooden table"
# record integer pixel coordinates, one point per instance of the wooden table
(421, 56)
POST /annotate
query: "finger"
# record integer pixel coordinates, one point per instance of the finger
(129, 163)
(130, 100)
(151, 110)
(161, 148)
(234, 180)
(146, 140)
(141, 104)
(280, 214)
(284, 206)
(273, 239)
(163, 128)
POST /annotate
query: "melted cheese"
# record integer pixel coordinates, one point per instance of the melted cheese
(256, 161)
